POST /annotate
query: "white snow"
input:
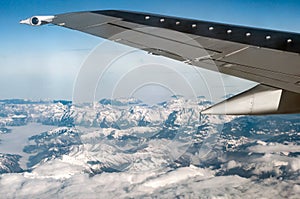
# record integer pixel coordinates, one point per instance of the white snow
(176, 176)
(274, 148)
(146, 168)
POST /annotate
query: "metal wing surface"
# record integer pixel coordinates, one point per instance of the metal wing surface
(268, 57)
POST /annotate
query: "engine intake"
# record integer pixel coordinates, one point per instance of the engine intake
(35, 21)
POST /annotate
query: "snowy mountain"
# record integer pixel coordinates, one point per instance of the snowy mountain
(9, 163)
(123, 148)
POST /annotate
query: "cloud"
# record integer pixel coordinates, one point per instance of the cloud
(65, 178)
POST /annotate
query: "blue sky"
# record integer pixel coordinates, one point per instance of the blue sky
(42, 62)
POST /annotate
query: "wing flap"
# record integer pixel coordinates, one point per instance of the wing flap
(268, 60)
(189, 52)
(104, 30)
(223, 47)
(278, 80)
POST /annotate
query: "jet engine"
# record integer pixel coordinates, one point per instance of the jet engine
(37, 20)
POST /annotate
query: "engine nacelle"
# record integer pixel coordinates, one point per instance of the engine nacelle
(37, 20)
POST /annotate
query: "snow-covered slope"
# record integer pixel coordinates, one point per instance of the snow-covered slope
(126, 149)
(9, 163)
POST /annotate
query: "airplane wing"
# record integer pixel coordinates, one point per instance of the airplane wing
(268, 57)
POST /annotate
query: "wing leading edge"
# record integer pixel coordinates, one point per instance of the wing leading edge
(268, 57)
